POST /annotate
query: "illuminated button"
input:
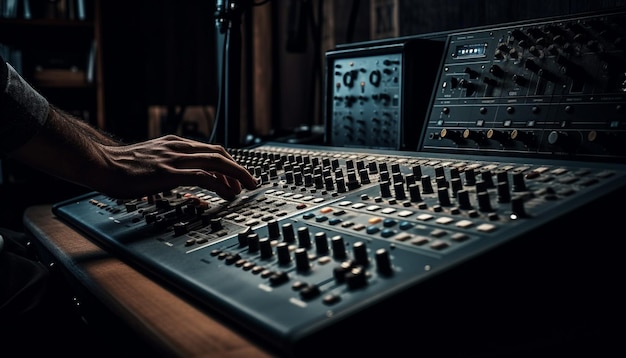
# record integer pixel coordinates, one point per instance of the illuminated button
(464, 224)
(324, 260)
(334, 221)
(405, 213)
(444, 220)
(486, 227)
(439, 245)
(424, 217)
(331, 299)
(459, 237)
(374, 220)
(420, 240)
(438, 233)
(387, 233)
(252, 222)
(403, 236)
(389, 222)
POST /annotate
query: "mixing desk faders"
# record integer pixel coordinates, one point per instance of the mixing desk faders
(506, 219)
(331, 232)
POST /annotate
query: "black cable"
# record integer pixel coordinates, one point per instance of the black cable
(218, 111)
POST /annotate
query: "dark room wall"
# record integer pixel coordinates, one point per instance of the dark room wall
(163, 52)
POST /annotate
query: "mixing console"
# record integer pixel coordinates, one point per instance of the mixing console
(330, 232)
(503, 215)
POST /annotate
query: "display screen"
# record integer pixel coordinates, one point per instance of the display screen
(470, 51)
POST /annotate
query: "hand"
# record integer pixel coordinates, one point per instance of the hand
(164, 163)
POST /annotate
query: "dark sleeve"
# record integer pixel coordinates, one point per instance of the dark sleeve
(23, 111)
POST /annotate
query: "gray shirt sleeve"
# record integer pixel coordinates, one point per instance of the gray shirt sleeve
(23, 111)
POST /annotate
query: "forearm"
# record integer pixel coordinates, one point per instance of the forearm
(85, 128)
(65, 147)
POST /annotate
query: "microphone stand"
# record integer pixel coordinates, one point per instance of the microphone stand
(228, 15)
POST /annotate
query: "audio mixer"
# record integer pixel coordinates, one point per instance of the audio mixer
(475, 234)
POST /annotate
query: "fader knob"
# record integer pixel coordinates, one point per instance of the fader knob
(338, 247)
(253, 242)
(487, 178)
(282, 251)
(242, 236)
(302, 260)
(456, 184)
(353, 183)
(484, 203)
(304, 239)
(356, 278)
(288, 234)
(414, 192)
(443, 195)
(328, 183)
(383, 262)
(265, 247)
(463, 199)
(399, 190)
(427, 186)
(272, 229)
(341, 185)
(340, 272)
(470, 177)
(385, 190)
(360, 253)
(321, 243)
(364, 176)
(503, 192)
(216, 224)
(417, 171)
(518, 182)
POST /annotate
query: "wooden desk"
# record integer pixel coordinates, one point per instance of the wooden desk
(166, 320)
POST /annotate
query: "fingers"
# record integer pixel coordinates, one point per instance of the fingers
(214, 158)
(179, 161)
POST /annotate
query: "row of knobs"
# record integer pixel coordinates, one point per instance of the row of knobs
(403, 183)
(305, 242)
(406, 187)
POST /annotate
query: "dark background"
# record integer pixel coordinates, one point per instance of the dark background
(163, 52)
